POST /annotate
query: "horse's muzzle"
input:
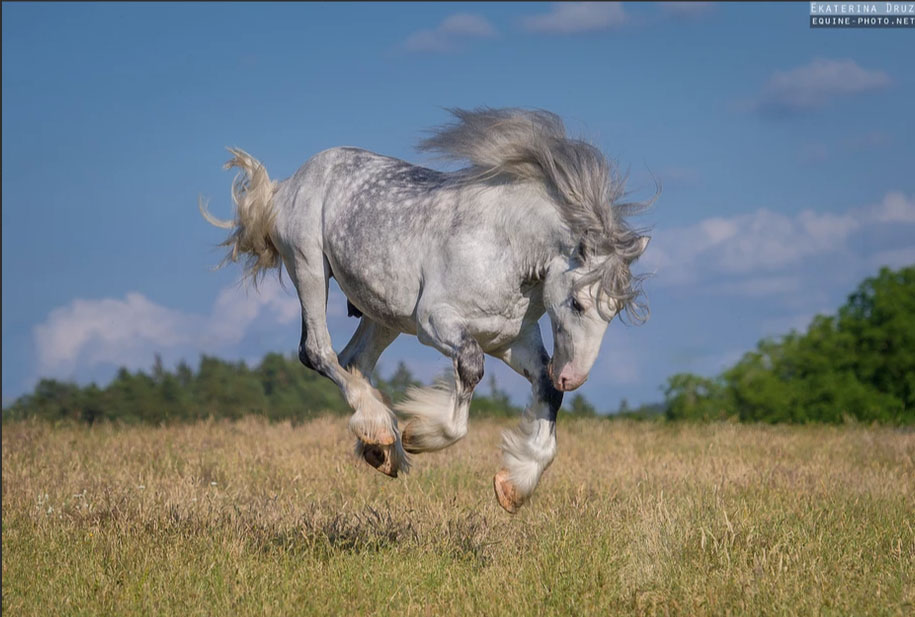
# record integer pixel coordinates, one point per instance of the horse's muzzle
(567, 380)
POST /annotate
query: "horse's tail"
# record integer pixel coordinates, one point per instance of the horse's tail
(252, 229)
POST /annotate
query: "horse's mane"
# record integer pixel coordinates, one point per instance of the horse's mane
(533, 145)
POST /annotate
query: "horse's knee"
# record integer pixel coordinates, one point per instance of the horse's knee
(470, 363)
(312, 355)
(304, 356)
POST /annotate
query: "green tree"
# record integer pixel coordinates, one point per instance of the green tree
(879, 321)
(396, 387)
(858, 364)
(497, 403)
(691, 397)
(581, 407)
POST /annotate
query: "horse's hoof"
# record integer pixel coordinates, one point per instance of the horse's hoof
(506, 492)
(410, 443)
(381, 457)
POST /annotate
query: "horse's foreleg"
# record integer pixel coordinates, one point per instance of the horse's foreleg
(530, 448)
(438, 415)
(373, 423)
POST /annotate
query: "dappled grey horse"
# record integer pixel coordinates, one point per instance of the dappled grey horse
(468, 261)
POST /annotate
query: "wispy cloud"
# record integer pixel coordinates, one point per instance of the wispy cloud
(574, 17)
(92, 331)
(814, 152)
(816, 84)
(868, 142)
(689, 10)
(762, 286)
(450, 34)
(678, 177)
(770, 245)
(895, 208)
(88, 333)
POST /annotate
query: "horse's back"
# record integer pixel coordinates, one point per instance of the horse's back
(376, 219)
(392, 231)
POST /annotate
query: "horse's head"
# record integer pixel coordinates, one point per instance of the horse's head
(582, 293)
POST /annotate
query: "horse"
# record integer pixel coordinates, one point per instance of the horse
(467, 261)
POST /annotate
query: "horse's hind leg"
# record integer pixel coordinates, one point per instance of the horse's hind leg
(373, 423)
(366, 345)
(361, 354)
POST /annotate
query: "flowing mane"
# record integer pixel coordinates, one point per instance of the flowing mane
(533, 145)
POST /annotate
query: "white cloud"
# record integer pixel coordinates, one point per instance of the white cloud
(679, 177)
(127, 332)
(236, 308)
(815, 84)
(449, 34)
(465, 24)
(895, 208)
(573, 17)
(96, 330)
(762, 286)
(818, 152)
(765, 243)
(686, 9)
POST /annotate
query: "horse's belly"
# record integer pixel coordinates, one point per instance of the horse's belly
(386, 298)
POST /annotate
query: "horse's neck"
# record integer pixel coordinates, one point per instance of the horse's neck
(536, 228)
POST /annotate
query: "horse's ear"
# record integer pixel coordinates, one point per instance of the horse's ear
(643, 243)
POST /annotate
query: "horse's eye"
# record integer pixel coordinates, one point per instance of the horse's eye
(576, 306)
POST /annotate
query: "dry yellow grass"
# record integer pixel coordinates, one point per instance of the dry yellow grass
(632, 518)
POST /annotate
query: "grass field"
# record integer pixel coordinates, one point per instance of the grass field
(632, 518)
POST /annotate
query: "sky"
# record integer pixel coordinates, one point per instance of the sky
(785, 155)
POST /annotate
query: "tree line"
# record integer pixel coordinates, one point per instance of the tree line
(858, 364)
(279, 388)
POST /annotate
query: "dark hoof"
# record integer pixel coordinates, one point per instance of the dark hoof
(381, 457)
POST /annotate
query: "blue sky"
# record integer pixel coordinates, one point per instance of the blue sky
(786, 156)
